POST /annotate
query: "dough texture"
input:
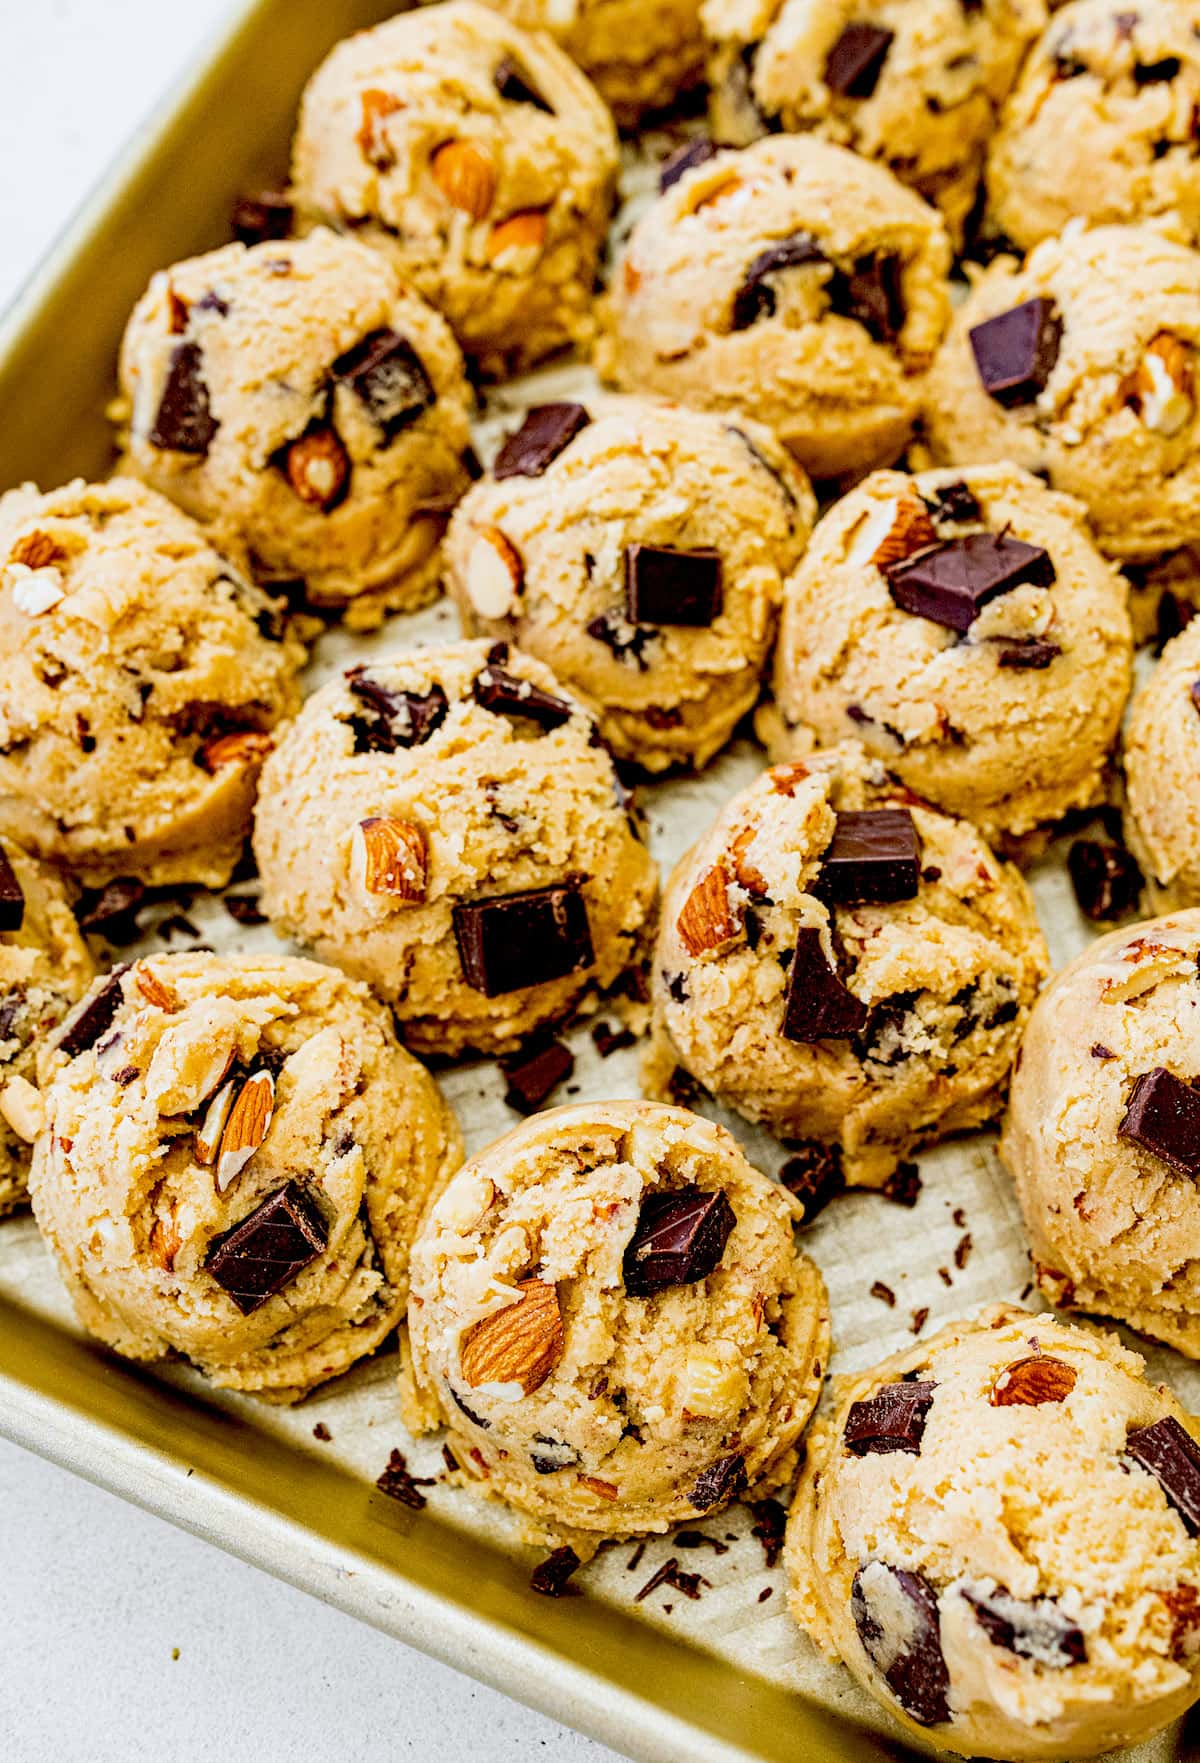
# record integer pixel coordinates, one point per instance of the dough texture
(337, 416)
(134, 1203)
(590, 1406)
(479, 158)
(1100, 123)
(793, 280)
(647, 475)
(1010, 722)
(140, 677)
(475, 804)
(639, 56)
(1116, 423)
(932, 101)
(1027, 1587)
(947, 976)
(1112, 1225)
(1162, 757)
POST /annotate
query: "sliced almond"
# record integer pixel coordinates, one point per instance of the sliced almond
(153, 990)
(248, 1124)
(36, 549)
(604, 1490)
(390, 857)
(318, 468)
(207, 1141)
(892, 531)
(495, 574)
(165, 1242)
(748, 877)
(376, 105)
(1032, 1382)
(707, 922)
(522, 235)
(518, 1345)
(464, 175)
(243, 747)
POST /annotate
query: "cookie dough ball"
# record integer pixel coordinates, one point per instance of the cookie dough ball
(1078, 364)
(609, 1313)
(915, 87)
(301, 401)
(996, 1533)
(794, 280)
(446, 825)
(1103, 1130)
(237, 1154)
(476, 156)
(140, 677)
(642, 556)
(844, 964)
(44, 966)
(965, 628)
(1100, 123)
(1162, 756)
(640, 56)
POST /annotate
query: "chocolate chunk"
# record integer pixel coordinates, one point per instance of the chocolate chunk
(952, 582)
(397, 719)
(663, 586)
(269, 1248)
(399, 1484)
(506, 694)
(1035, 1628)
(678, 1239)
(903, 1185)
(953, 502)
(184, 423)
(1151, 73)
(514, 88)
(1172, 1456)
(893, 1419)
(755, 298)
(111, 911)
(896, 1614)
(266, 215)
(698, 151)
(884, 1293)
(671, 1574)
(509, 941)
(609, 1040)
(12, 897)
(871, 293)
(770, 1527)
(388, 375)
(1107, 879)
(818, 1007)
(1015, 352)
(854, 64)
(719, 1482)
(545, 432)
(243, 910)
(874, 855)
(1163, 1117)
(534, 1072)
(814, 1175)
(549, 1578)
(95, 1015)
(1028, 652)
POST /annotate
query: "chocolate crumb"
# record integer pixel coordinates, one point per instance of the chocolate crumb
(322, 1433)
(398, 1484)
(450, 1460)
(770, 1525)
(671, 1574)
(243, 910)
(962, 1250)
(699, 1539)
(1099, 1051)
(903, 1185)
(944, 1276)
(1026, 1290)
(885, 1294)
(549, 1578)
(635, 1560)
(611, 1040)
(919, 1319)
(766, 1592)
(814, 1175)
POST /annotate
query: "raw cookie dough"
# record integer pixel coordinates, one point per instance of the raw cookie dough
(792, 279)
(917, 87)
(300, 401)
(445, 825)
(940, 979)
(1006, 716)
(1095, 376)
(140, 677)
(651, 551)
(479, 158)
(44, 966)
(594, 1376)
(189, 1093)
(1101, 122)
(1162, 758)
(1112, 1223)
(640, 54)
(978, 1535)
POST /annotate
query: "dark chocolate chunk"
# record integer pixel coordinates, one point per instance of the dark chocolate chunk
(267, 214)
(896, 1614)
(398, 1483)
(388, 375)
(755, 298)
(269, 1248)
(1151, 73)
(1163, 1117)
(818, 1007)
(953, 502)
(663, 586)
(508, 941)
(111, 911)
(1015, 352)
(12, 896)
(874, 855)
(506, 694)
(950, 583)
(534, 1072)
(1172, 1456)
(871, 293)
(770, 1527)
(243, 910)
(814, 1175)
(549, 1578)
(1030, 652)
(546, 431)
(94, 1016)
(396, 719)
(1035, 1628)
(698, 151)
(1106, 878)
(719, 1482)
(678, 1239)
(608, 1040)
(184, 423)
(893, 1419)
(854, 64)
(514, 88)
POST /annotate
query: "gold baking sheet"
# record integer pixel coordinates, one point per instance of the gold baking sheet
(724, 1680)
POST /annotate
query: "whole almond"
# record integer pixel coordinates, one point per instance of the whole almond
(248, 1124)
(243, 747)
(495, 574)
(464, 175)
(520, 1344)
(706, 921)
(318, 468)
(1032, 1382)
(524, 231)
(36, 550)
(390, 857)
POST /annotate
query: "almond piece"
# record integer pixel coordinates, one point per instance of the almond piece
(495, 574)
(518, 1345)
(36, 549)
(603, 1489)
(713, 1382)
(153, 990)
(706, 922)
(318, 468)
(375, 106)
(784, 778)
(522, 235)
(892, 531)
(748, 877)
(207, 1141)
(165, 1243)
(464, 175)
(248, 1124)
(1031, 1382)
(390, 857)
(1160, 387)
(243, 747)
(34, 591)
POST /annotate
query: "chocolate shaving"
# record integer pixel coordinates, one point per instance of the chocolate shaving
(398, 1484)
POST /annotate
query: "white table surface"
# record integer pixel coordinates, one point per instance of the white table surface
(123, 1640)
